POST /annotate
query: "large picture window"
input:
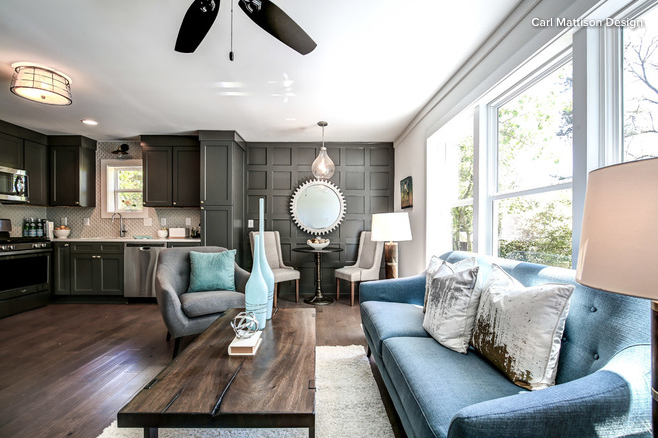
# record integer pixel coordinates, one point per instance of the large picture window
(640, 89)
(533, 150)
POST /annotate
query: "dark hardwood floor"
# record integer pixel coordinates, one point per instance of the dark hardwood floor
(67, 369)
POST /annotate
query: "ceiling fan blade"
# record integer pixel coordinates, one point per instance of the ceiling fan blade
(197, 22)
(278, 24)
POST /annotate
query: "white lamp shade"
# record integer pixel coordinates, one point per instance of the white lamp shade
(390, 227)
(619, 237)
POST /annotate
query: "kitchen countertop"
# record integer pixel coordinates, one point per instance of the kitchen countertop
(126, 240)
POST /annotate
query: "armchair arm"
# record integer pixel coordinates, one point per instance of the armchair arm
(400, 290)
(169, 302)
(241, 278)
(614, 401)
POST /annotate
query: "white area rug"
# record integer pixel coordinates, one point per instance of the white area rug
(347, 404)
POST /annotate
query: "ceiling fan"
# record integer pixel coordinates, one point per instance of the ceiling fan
(202, 13)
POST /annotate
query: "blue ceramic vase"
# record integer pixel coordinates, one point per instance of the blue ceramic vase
(266, 271)
(255, 294)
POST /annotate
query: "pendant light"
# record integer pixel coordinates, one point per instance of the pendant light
(322, 167)
(40, 84)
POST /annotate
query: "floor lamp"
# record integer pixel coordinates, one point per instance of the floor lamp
(620, 219)
(390, 228)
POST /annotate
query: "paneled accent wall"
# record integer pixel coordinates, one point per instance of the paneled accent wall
(364, 173)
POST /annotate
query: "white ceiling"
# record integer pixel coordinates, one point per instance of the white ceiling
(377, 63)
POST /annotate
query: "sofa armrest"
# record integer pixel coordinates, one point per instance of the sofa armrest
(409, 290)
(614, 401)
(241, 278)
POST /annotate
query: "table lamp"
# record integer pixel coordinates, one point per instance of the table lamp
(390, 228)
(619, 239)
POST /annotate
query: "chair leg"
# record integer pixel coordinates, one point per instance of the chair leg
(176, 348)
(297, 290)
(351, 294)
(276, 293)
(337, 289)
(168, 336)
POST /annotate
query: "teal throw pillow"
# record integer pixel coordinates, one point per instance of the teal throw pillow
(212, 271)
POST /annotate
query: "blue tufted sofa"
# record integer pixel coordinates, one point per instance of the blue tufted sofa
(603, 379)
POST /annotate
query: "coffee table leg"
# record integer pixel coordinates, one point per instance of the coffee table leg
(311, 432)
(150, 432)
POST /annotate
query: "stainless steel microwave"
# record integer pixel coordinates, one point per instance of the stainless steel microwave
(13, 185)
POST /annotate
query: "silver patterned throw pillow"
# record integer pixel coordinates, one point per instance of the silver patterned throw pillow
(452, 304)
(519, 329)
(438, 267)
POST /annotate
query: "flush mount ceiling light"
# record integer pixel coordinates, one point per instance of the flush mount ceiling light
(89, 122)
(323, 167)
(40, 84)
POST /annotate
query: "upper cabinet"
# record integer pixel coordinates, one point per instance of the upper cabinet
(11, 151)
(171, 171)
(72, 171)
(36, 165)
(22, 148)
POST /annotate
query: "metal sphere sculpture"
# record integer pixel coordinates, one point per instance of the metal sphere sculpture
(245, 325)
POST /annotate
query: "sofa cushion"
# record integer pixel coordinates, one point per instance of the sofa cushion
(451, 308)
(212, 271)
(207, 303)
(520, 329)
(434, 382)
(382, 320)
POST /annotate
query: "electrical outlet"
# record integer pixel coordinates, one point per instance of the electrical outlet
(250, 223)
(87, 221)
(163, 221)
(188, 221)
(148, 222)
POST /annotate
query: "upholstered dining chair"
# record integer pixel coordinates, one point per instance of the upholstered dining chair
(367, 265)
(275, 260)
(190, 313)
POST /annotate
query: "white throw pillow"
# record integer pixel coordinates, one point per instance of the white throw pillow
(519, 329)
(451, 308)
(439, 267)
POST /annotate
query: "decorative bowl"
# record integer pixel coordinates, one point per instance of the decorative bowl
(61, 234)
(162, 233)
(321, 244)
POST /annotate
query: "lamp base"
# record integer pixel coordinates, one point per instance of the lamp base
(391, 259)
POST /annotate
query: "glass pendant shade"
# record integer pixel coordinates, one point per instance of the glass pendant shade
(41, 84)
(323, 167)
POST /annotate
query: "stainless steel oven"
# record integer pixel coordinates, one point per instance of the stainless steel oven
(25, 271)
(13, 185)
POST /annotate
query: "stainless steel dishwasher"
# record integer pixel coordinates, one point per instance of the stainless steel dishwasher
(139, 269)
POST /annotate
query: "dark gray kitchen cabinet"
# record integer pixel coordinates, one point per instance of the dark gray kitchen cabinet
(72, 171)
(157, 176)
(36, 165)
(171, 171)
(222, 189)
(61, 268)
(97, 269)
(11, 151)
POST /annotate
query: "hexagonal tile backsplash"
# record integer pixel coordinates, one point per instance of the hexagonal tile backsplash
(100, 227)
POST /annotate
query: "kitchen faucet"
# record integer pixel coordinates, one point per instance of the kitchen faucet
(122, 230)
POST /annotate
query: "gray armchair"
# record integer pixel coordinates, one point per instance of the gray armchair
(185, 313)
(368, 262)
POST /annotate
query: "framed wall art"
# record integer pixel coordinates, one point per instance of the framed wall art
(407, 193)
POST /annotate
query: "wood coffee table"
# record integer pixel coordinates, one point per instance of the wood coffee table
(204, 387)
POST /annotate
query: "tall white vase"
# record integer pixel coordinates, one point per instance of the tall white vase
(266, 271)
(255, 295)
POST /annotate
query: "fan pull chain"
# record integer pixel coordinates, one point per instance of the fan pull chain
(230, 54)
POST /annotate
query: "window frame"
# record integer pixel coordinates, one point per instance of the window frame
(106, 189)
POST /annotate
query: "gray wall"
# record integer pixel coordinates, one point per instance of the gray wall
(364, 173)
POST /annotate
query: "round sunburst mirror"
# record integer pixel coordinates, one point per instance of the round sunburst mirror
(317, 206)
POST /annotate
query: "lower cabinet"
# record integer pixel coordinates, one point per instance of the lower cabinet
(93, 269)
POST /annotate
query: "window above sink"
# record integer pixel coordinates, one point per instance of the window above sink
(121, 189)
